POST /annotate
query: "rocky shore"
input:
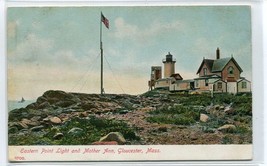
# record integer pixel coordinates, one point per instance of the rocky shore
(156, 117)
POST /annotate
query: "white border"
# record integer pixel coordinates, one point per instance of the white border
(259, 79)
(3, 117)
(264, 20)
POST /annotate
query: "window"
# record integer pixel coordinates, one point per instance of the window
(244, 85)
(205, 71)
(219, 85)
(206, 82)
(230, 70)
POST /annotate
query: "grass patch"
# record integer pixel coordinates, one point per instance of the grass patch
(179, 115)
(92, 130)
(227, 140)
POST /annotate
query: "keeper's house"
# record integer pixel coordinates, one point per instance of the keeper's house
(221, 75)
(218, 75)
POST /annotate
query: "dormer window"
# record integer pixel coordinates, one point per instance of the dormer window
(205, 71)
(230, 70)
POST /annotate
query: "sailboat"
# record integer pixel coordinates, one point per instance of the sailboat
(22, 100)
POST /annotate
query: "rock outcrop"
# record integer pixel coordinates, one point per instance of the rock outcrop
(204, 118)
(227, 128)
(59, 118)
(114, 136)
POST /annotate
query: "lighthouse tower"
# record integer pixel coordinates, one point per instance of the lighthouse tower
(169, 67)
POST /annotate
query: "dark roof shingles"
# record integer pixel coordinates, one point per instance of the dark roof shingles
(219, 64)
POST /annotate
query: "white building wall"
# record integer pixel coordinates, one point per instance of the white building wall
(232, 87)
(242, 88)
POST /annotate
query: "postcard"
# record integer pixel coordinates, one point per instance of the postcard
(129, 83)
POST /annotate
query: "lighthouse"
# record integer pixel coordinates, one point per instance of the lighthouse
(169, 67)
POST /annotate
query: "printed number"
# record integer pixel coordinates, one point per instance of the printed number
(19, 158)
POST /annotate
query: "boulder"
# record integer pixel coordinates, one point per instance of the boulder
(227, 128)
(37, 128)
(204, 118)
(94, 110)
(228, 110)
(104, 110)
(75, 131)
(123, 111)
(58, 136)
(35, 118)
(23, 125)
(46, 119)
(26, 121)
(136, 106)
(217, 107)
(30, 122)
(83, 114)
(55, 120)
(114, 136)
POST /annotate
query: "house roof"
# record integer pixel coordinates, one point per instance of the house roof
(208, 62)
(177, 76)
(242, 79)
(218, 64)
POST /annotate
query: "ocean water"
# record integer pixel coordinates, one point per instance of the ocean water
(16, 104)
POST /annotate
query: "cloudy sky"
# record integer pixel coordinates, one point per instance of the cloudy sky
(58, 48)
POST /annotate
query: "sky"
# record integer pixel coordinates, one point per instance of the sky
(57, 48)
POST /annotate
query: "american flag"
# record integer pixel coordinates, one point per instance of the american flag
(105, 20)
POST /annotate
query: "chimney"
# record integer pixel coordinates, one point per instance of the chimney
(218, 53)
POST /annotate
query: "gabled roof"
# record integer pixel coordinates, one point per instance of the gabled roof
(242, 79)
(177, 76)
(208, 62)
(218, 64)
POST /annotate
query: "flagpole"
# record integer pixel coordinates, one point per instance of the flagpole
(101, 49)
